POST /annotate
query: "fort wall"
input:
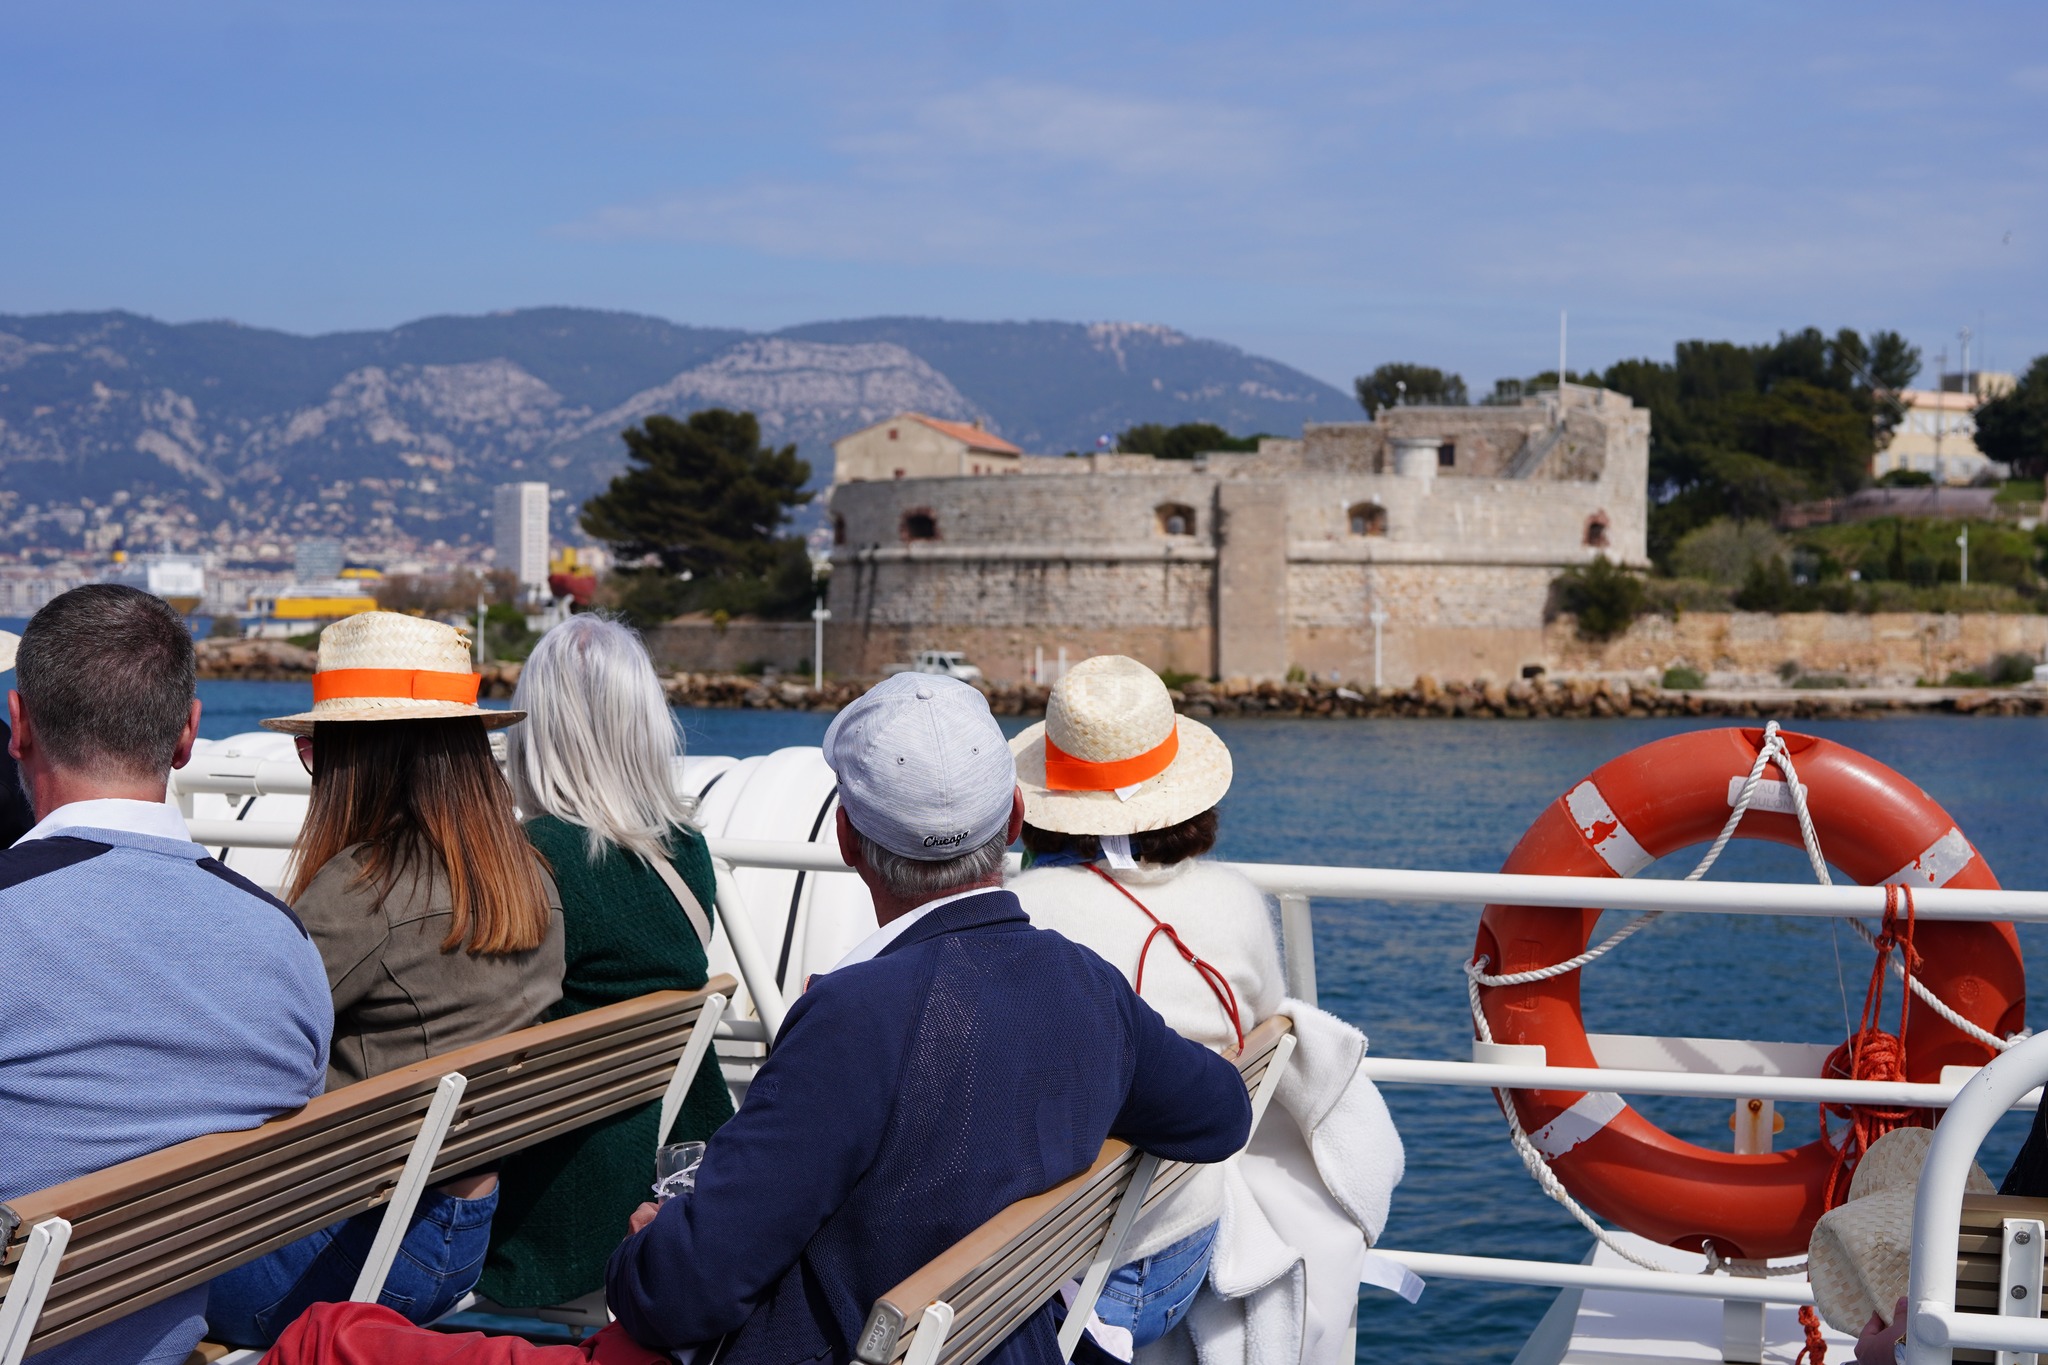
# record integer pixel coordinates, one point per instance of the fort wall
(1253, 564)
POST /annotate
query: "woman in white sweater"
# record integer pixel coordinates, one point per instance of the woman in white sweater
(1119, 806)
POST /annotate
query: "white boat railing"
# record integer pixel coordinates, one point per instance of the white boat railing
(1935, 1329)
(1975, 1097)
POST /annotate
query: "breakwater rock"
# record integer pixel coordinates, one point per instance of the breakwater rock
(1522, 699)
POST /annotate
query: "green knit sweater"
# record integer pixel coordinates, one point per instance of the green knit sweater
(563, 1205)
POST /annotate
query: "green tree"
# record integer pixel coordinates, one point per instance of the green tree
(1182, 442)
(2013, 428)
(1604, 596)
(705, 502)
(701, 495)
(1742, 430)
(1724, 550)
(1397, 383)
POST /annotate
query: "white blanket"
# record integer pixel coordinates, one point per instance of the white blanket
(1323, 1166)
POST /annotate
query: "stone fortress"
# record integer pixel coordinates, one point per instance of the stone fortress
(1425, 542)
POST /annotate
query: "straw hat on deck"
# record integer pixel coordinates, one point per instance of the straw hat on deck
(379, 665)
(1111, 757)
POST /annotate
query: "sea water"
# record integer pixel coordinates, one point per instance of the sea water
(1456, 795)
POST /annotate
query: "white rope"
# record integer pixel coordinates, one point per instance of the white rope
(1938, 1005)
(1717, 1264)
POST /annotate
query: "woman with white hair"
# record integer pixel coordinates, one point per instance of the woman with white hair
(591, 770)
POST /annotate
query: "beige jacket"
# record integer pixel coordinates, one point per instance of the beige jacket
(398, 998)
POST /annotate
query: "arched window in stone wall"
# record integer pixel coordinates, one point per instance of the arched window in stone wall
(920, 524)
(1175, 519)
(1367, 519)
(1596, 531)
(838, 529)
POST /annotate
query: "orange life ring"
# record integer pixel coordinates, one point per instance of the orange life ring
(1874, 825)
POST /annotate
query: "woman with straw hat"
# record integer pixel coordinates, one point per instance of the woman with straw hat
(1119, 806)
(438, 923)
(591, 768)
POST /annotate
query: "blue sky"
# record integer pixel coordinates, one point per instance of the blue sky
(1333, 185)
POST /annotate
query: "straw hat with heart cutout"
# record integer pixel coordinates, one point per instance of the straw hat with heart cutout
(1111, 757)
(379, 665)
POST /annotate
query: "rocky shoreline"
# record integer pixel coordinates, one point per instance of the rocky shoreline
(1524, 698)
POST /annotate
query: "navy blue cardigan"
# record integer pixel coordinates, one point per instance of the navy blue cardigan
(975, 1062)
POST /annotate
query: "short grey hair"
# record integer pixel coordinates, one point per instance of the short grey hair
(915, 879)
(107, 676)
(597, 746)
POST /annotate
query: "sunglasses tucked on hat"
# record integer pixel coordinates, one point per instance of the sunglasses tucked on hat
(922, 767)
(1111, 757)
(379, 665)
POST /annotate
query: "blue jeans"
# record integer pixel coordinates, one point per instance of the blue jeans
(1150, 1297)
(438, 1262)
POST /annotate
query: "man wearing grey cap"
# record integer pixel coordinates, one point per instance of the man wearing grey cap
(955, 1062)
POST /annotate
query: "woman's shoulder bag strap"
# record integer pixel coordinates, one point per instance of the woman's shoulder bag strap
(693, 909)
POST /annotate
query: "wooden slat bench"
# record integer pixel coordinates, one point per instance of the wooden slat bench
(79, 1255)
(1986, 1270)
(964, 1304)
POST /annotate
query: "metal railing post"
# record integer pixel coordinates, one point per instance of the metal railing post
(746, 950)
(1298, 943)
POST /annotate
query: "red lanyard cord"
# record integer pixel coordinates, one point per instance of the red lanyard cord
(1218, 985)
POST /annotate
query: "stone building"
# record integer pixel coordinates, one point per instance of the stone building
(1449, 522)
(913, 446)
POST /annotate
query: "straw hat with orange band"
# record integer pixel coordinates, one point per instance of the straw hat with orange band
(1111, 757)
(382, 666)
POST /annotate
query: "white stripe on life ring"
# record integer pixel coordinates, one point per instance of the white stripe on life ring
(1770, 794)
(1603, 829)
(1945, 857)
(1594, 1110)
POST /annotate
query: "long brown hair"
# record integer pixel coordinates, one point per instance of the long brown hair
(419, 792)
(1191, 838)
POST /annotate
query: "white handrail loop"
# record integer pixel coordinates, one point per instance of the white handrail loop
(1934, 1329)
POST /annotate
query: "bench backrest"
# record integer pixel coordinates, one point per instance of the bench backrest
(152, 1227)
(962, 1305)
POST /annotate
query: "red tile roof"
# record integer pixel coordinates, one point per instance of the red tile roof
(974, 436)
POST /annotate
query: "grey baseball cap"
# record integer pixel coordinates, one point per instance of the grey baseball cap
(923, 768)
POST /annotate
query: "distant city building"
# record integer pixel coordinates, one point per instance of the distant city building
(317, 561)
(329, 601)
(178, 579)
(24, 588)
(1936, 433)
(913, 446)
(519, 520)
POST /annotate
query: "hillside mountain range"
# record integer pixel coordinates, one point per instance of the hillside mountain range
(227, 431)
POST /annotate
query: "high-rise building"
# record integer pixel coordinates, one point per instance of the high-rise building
(317, 561)
(520, 531)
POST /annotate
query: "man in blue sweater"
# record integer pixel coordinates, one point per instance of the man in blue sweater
(155, 995)
(957, 1061)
